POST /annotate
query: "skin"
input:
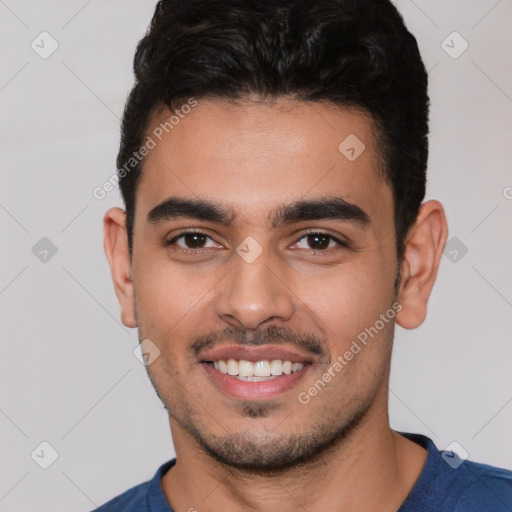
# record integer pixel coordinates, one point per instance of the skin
(251, 159)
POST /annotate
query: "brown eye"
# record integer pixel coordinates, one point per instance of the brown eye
(194, 240)
(191, 240)
(319, 242)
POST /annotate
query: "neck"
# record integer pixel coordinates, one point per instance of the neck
(373, 468)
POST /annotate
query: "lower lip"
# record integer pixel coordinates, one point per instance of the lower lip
(246, 390)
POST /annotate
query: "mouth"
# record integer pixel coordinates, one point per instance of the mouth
(255, 373)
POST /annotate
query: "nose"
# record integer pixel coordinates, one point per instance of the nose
(253, 293)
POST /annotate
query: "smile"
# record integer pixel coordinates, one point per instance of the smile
(256, 371)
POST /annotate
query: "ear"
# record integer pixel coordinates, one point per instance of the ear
(423, 252)
(118, 256)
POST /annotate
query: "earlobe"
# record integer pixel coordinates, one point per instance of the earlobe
(423, 252)
(118, 256)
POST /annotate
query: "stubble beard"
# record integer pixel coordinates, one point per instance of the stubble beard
(270, 453)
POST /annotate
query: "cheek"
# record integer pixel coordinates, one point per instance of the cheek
(347, 301)
(166, 304)
(167, 294)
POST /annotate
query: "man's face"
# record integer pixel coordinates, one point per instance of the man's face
(257, 285)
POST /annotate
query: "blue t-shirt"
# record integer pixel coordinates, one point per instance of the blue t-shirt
(446, 484)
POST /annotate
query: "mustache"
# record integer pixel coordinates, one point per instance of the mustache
(271, 335)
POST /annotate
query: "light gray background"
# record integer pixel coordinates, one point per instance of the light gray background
(69, 376)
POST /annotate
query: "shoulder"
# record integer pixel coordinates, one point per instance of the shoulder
(448, 483)
(145, 497)
(485, 488)
(132, 500)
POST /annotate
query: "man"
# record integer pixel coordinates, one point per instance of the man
(272, 164)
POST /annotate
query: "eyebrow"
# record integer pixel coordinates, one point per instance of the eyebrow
(303, 210)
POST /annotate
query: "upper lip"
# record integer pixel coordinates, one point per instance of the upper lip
(255, 353)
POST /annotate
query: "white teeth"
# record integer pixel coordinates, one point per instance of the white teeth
(260, 370)
(245, 368)
(223, 366)
(296, 367)
(276, 367)
(232, 367)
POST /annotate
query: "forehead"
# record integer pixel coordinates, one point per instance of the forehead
(254, 156)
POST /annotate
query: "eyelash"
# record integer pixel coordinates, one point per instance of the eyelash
(168, 243)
